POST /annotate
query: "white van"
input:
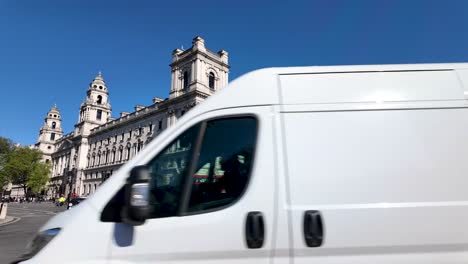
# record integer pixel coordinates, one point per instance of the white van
(346, 164)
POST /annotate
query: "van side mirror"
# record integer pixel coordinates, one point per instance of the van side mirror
(136, 207)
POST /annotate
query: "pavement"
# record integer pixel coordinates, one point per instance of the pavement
(25, 219)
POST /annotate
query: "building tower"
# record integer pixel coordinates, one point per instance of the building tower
(198, 69)
(96, 109)
(49, 133)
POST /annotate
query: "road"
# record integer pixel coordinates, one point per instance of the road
(14, 237)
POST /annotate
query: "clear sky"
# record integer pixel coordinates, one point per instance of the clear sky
(51, 50)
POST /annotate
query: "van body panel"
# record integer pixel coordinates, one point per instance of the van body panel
(82, 238)
(282, 241)
(399, 152)
(463, 76)
(384, 181)
(211, 237)
(362, 87)
(253, 89)
(345, 107)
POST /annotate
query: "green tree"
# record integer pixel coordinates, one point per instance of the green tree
(23, 167)
(6, 146)
(39, 177)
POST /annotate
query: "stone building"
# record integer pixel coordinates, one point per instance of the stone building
(100, 144)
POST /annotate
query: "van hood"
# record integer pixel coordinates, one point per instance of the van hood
(65, 218)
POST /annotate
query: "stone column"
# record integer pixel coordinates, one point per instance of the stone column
(225, 78)
(192, 73)
(196, 69)
(173, 82)
(170, 117)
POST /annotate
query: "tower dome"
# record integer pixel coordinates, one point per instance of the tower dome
(98, 84)
(54, 113)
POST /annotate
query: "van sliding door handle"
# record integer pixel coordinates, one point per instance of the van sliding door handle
(313, 228)
(254, 230)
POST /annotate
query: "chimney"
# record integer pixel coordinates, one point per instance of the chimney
(157, 100)
(175, 54)
(198, 44)
(138, 108)
(224, 56)
(122, 114)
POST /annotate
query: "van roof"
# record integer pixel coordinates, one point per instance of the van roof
(340, 84)
(368, 68)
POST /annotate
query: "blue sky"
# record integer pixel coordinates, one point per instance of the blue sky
(51, 50)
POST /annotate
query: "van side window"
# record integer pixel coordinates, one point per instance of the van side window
(206, 167)
(168, 170)
(224, 163)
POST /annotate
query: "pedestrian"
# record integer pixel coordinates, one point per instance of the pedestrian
(62, 200)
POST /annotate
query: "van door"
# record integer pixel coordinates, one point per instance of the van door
(383, 186)
(212, 194)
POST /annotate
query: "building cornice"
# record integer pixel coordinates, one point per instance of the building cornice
(104, 167)
(187, 55)
(145, 112)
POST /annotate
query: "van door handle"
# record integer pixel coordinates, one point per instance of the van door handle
(254, 230)
(313, 228)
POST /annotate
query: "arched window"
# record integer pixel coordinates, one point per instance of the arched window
(139, 146)
(99, 99)
(211, 80)
(186, 79)
(128, 153)
(53, 125)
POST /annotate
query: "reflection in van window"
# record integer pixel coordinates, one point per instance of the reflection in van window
(224, 163)
(167, 174)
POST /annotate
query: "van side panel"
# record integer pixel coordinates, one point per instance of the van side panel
(390, 185)
(360, 87)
